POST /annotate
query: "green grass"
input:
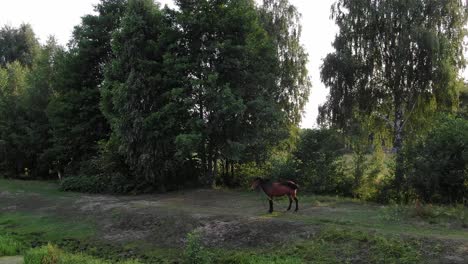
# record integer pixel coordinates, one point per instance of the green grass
(9, 246)
(332, 245)
(46, 189)
(51, 254)
(44, 227)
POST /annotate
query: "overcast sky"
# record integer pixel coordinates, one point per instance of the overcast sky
(58, 17)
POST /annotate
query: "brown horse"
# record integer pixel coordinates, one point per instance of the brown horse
(277, 189)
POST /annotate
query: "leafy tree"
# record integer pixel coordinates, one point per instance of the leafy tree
(77, 123)
(232, 68)
(18, 44)
(436, 163)
(140, 106)
(282, 21)
(13, 124)
(37, 97)
(392, 60)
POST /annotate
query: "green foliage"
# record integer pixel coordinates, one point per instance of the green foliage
(51, 254)
(77, 124)
(101, 183)
(282, 21)
(436, 163)
(43, 255)
(249, 171)
(9, 246)
(319, 164)
(397, 72)
(86, 184)
(195, 253)
(13, 120)
(18, 44)
(136, 99)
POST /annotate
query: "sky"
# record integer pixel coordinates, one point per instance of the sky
(58, 17)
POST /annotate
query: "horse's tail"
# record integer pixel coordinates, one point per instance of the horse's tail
(291, 185)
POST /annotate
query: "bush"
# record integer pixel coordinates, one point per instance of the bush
(437, 163)
(115, 183)
(86, 184)
(9, 246)
(43, 255)
(195, 253)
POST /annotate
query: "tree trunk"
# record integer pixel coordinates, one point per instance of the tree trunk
(209, 171)
(215, 171)
(232, 171)
(397, 148)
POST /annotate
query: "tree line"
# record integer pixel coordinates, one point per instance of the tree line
(152, 96)
(211, 92)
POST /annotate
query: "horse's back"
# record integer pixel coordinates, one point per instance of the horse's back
(281, 189)
(291, 185)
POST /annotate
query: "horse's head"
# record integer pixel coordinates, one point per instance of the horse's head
(256, 183)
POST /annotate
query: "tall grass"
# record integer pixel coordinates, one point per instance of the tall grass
(9, 246)
(51, 254)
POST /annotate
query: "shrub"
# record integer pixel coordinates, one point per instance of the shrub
(9, 246)
(437, 163)
(86, 184)
(43, 255)
(115, 183)
(195, 253)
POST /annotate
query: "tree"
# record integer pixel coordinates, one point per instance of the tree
(37, 97)
(77, 124)
(282, 21)
(137, 101)
(18, 44)
(393, 59)
(240, 105)
(13, 123)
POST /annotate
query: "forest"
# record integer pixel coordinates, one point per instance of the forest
(146, 98)
(210, 94)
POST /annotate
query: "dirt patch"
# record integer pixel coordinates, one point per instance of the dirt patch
(252, 232)
(12, 260)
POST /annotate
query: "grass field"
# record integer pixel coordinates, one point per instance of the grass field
(223, 226)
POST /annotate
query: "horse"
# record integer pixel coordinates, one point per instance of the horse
(277, 189)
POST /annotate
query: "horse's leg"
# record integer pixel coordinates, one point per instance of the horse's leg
(290, 202)
(297, 204)
(271, 205)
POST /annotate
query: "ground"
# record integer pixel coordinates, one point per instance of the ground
(232, 225)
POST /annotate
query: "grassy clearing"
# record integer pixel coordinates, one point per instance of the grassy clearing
(345, 230)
